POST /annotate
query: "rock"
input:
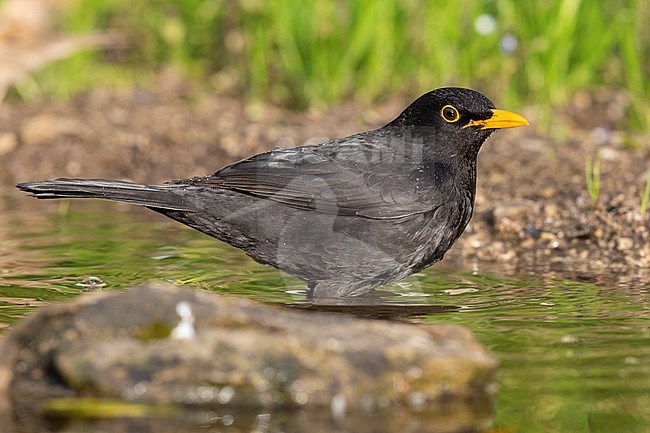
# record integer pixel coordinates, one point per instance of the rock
(624, 244)
(239, 354)
(510, 218)
(516, 210)
(481, 248)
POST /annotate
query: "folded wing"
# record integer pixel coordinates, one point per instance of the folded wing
(348, 179)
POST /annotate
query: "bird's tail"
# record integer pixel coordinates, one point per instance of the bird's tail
(154, 196)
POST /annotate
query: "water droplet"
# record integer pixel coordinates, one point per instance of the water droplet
(226, 394)
(206, 393)
(227, 419)
(185, 328)
(141, 388)
(301, 397)
(299, 391)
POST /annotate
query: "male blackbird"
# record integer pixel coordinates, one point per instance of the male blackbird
(346, 215)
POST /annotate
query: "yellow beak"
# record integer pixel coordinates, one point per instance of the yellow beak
(500, 119)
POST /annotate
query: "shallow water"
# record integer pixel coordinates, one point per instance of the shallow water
(574, 347)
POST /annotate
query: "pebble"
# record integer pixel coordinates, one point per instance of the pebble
(624, 244)
(8, 142)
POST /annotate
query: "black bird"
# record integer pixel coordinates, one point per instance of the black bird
(346, 215)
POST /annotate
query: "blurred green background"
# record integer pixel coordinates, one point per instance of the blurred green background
(316, 53)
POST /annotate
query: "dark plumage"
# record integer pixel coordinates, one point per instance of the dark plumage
(346, 215)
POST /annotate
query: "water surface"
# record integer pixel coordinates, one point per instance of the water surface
(574, 346)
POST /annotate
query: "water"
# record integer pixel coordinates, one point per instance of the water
(573, 345)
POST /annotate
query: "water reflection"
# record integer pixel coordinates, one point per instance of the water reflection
(445, 419)
(385, 310)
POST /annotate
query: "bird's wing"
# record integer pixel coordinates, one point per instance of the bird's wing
(338, 180)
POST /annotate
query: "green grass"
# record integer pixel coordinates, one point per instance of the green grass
(645, 197)
(305, 53)
(592, 175)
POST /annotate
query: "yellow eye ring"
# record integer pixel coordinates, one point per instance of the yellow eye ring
(450, 114)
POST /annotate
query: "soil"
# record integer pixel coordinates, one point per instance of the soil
(532, 202)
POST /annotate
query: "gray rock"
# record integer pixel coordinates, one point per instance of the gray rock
(169, 346)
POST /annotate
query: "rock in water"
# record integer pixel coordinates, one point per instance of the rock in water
(233, 352)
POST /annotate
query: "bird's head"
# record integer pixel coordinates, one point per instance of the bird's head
(454, 116)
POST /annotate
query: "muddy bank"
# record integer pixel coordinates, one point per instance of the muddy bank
(532, 201)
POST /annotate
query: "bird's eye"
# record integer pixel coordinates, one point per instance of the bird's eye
(450, 113)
